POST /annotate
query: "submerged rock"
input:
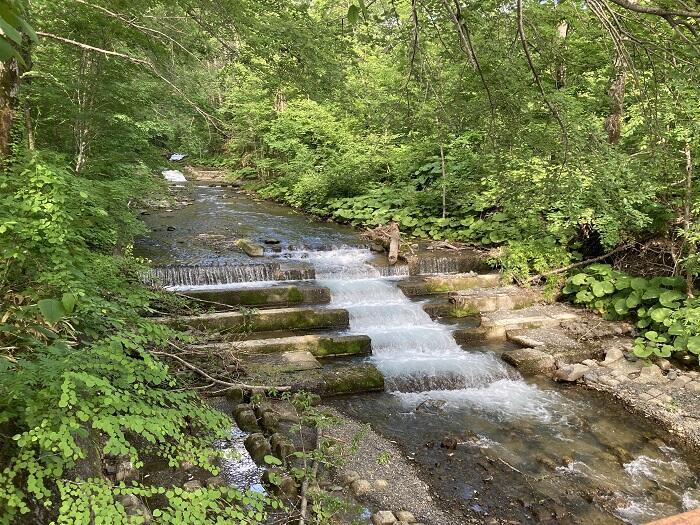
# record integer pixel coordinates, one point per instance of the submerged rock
(258, 447)
(431, 406)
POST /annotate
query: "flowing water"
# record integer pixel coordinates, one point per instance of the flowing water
(528, 449)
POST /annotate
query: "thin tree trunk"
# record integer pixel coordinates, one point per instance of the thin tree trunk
(688, 215)
(31, 142)
(613, 124)
(444, 182)
(9, 80)
(560, 69)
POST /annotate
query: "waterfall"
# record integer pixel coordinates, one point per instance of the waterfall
(185, 277)
(414, 353)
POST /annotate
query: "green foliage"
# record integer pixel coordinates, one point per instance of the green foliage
(668, 320)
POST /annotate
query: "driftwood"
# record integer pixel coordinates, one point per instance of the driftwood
(389, 237)
(394, 243)
(568, 267)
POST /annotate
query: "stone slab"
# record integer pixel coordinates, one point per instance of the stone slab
(317, 345)
(264, 296)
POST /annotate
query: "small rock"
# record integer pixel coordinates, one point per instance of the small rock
(336, 488)
(171, 228)
(672, 374)
(612, 354)
(590, 362)
(650, 374)
(129, 501)
(361, 487)
(349, 477)
(214, 481)
(571, 372)
(250, 248)
(126, 471)
(383, 517)
(376, 247)
(271, 241)
(404, 515)
(192, 485)
(449, 442)
(663, 364)
(693, 386)
(380, 485)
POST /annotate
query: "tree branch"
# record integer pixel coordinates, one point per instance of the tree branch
(552, 109)
(657, 11)
(227, 384)
(577, 264)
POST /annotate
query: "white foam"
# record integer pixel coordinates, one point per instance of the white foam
(174, 176)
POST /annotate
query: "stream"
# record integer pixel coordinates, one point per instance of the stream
(525, 445)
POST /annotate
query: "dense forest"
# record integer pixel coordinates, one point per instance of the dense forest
(549, 132)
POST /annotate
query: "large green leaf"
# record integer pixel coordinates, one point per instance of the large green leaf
(579, 279)
(694, 344)
(602, 288)
(51, 309)
(660, 314)
(633, 299)
(639, 283)
(669, 298)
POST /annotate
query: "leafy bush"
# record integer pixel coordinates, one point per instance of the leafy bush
(668, 320)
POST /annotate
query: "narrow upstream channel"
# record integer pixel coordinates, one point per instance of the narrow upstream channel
(528, 448)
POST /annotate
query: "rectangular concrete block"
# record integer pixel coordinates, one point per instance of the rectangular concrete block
(264, 320)
(264, 296)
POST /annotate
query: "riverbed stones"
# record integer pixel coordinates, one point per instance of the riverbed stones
(282, 448)
(380, 485)
(134, 507)
(384, 517)
(650, 374)
(250, 248)
(353, 380)
(349, 476)
(214, 481)
(613, 355)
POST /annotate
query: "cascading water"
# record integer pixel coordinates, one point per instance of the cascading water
(417, 356)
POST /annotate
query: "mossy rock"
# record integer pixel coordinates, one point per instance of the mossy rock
(353, 380)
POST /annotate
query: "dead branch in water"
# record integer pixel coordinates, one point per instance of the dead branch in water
(389, 236)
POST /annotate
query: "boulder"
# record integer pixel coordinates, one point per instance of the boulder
(571, 372)
(383, 517)
(246, 421)
(250, 248)
(270, 422)
(380, 485)
(133, 506)
(258, 447)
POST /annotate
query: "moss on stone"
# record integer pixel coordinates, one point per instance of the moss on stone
(353, 380)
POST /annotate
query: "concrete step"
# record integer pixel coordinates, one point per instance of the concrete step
(437, 284)
(282, 362)
(280, 295)
(484, 300)
(427, 262)
(317, 345)
(264, 320)
(496, 325)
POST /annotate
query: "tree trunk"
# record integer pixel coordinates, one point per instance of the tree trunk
(560, 68)
(688, 215)
(9, 80)
(31, 142)
(613, 124)
(444, 182)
